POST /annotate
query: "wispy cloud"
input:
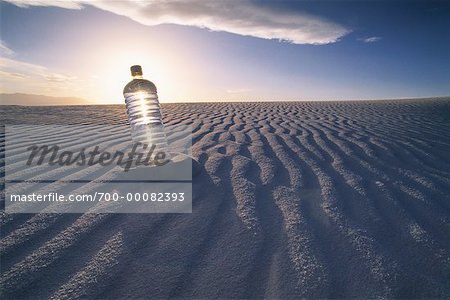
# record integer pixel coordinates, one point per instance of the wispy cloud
(243, 17)
(12, 75)
(14, 69)
(20, 69)
(371, 39)
(238, 91)
(25, 77)
(59, 3)
(4, 50)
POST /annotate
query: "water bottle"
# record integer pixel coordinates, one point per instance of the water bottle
(144, 113)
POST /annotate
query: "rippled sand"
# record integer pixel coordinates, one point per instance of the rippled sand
(306, 199)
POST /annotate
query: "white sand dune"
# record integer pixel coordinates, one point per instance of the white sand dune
(306, 199)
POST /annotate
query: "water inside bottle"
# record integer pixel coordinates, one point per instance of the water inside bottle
(144, 113)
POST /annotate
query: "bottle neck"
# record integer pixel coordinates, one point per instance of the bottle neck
(137, 77)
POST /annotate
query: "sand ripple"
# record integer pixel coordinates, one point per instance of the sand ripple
(324, 199)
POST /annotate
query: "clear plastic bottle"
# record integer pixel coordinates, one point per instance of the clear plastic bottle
(144, 112)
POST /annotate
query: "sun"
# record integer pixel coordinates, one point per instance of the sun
(111, 77)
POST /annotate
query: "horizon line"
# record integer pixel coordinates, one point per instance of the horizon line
(219, 101)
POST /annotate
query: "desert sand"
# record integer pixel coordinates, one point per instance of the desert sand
(295, 199)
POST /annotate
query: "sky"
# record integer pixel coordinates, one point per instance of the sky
(239, 50)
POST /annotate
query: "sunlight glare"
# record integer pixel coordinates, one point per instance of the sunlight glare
(116, 74)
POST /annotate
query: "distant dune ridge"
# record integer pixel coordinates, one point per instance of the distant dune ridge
(37, 100)
(296, 199)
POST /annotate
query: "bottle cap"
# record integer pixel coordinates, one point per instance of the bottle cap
(136, 70)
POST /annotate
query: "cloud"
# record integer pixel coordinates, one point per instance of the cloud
(11, 75)
(372, 39)
(238, 91)
(18, 75)
(20, 69)
(244, 17)
(4, 50)
(53, 77)
(59, 3)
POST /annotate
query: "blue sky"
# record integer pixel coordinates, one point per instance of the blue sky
(232, 51)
